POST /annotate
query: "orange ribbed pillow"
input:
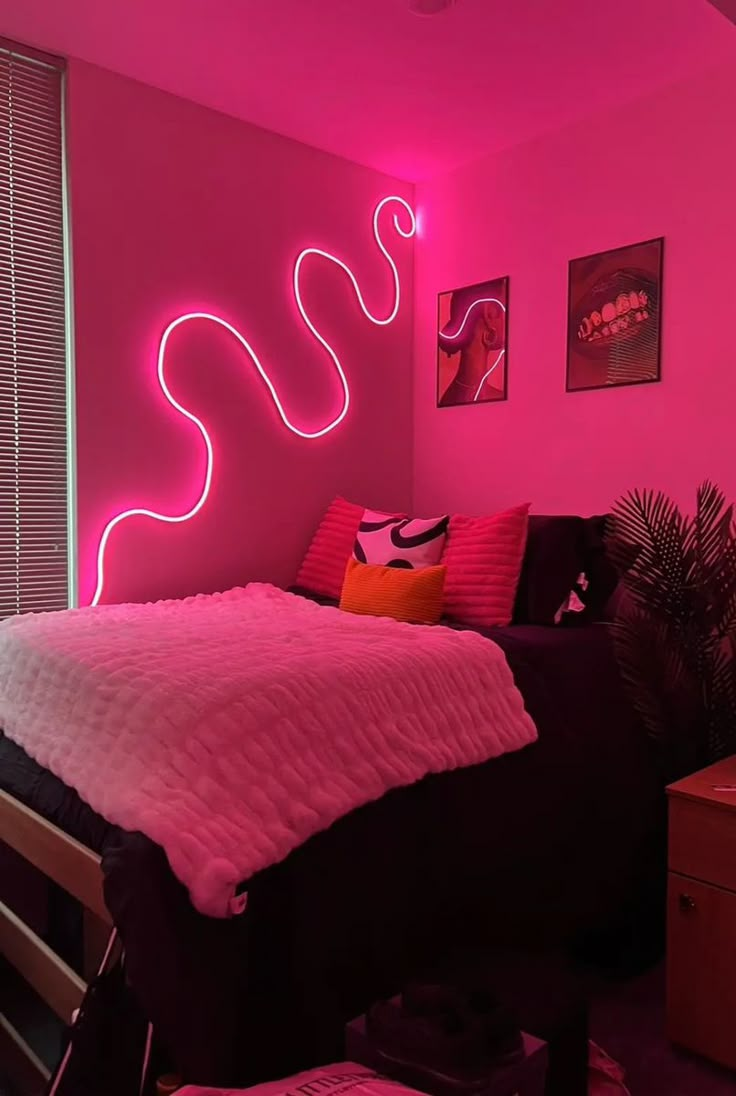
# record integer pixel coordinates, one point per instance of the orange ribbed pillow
(412, 596)
(483, 557)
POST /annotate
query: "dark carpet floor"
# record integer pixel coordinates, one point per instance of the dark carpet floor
(628, 1022)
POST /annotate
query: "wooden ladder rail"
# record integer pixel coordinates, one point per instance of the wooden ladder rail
(76, 869)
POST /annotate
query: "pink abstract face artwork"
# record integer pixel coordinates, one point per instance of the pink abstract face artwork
(472, 344)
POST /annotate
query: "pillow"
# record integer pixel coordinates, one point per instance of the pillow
(555, 557)
(323, 568)
(400, 542)
(602, 574)
(593, 594)
(408, 595)
(483, 557)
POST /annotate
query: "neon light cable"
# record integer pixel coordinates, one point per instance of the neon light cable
(190, 317)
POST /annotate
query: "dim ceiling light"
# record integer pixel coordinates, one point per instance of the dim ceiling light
(430, 7)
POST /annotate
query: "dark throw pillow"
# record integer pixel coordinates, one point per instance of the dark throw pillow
(554, 558)
(566, 577)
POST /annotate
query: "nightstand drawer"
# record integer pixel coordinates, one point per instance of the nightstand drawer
(702, 842)
(701, 969)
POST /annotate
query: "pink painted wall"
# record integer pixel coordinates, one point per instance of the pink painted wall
(174, 208)
(665, 165)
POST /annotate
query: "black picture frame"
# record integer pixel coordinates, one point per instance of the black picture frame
(626, 278)
(490, 285)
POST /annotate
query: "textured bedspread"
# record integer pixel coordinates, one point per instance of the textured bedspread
(229, 728)
(549, 844)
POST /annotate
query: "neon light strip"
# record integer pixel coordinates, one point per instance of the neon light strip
(487, 375)
(309, 435)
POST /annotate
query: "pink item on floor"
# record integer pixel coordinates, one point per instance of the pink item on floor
(334, 1079)
(231, 727)
(605, 1076)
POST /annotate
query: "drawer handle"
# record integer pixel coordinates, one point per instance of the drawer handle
(687, 903)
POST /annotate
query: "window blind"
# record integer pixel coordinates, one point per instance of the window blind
(33, 369)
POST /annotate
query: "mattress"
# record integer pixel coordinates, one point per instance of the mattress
(549, 843)
(563, 675)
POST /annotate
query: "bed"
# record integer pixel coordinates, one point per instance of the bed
(556, 843)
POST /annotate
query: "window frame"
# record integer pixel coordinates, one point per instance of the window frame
(58, 64)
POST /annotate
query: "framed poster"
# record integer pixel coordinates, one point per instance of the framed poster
(614, 317)
(472, 344)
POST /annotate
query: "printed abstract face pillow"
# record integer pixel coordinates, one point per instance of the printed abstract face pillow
(391, 541)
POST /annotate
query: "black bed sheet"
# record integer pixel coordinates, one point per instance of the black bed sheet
(535, 847)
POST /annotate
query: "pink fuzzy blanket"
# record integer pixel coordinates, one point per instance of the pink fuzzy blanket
(228, 728)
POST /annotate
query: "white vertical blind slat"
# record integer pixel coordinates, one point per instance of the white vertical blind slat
(33, 406)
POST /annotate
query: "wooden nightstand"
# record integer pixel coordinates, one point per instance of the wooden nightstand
(701, 914)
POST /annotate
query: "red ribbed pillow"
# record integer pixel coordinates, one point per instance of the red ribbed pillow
(323, 568)
(483, 557)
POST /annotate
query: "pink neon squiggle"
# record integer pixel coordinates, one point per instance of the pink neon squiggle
(309, 435)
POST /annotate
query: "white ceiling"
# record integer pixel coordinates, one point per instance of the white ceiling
(369, 80)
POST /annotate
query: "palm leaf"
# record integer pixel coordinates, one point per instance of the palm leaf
(660, 684)
(676, 641)
(723, 587)
(649, 522)
(709, 545)
(706, 529)
(648, 544)
(719, 686)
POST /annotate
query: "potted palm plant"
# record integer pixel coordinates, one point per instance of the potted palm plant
(675, 628)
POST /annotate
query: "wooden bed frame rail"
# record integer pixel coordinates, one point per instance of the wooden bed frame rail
(77, 871)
